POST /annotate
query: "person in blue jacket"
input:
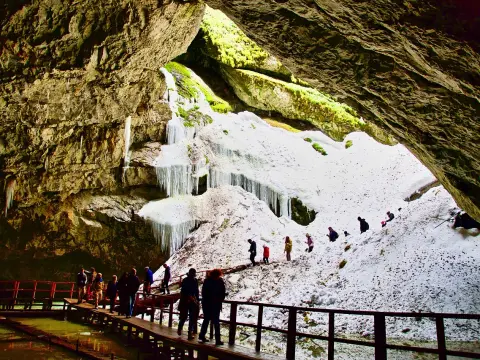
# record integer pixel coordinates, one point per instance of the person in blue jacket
(148, 281)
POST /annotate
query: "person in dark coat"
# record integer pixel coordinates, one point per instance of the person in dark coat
(346, 233)
(133, 286)
(252, 250)
(213, 294)
(112, 292)
(189, 303)
(81, 285)
(122, 288)
(332, 234)
(148, 281)
(390, 216)
(363, 225)
(166, 279)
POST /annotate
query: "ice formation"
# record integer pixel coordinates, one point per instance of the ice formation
(127, 134)
(9, 195)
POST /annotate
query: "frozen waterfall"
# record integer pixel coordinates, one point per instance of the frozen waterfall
(126, 137)
(9, 195)
(174, 171)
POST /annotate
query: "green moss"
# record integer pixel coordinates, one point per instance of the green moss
(224, 225)
(348, 144)
(194, 117)
(207, 160)
(190, 86)
(308, 140)
(320, 149)
(253, 126)
(342, 264)
(282, 125)
(225, 132)
(189, 150)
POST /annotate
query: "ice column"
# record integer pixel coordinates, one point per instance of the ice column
(9, 195)
(172, 236)
(127, 134)
(174, 171)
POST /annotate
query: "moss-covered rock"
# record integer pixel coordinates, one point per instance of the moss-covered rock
(300, 213)
(190, 86)
(298, 102)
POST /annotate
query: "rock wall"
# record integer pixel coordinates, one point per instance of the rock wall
(71, 75)
(412, 67)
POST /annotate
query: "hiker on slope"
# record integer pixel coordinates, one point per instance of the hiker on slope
(363, 225)
(309, 243)
(288, 248)
(252, 251)
(332, 234)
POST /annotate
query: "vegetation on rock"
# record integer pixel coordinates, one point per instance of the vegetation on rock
(300, 213)
(319, 148)
(348, 144)
(194, 117)
(189, 85)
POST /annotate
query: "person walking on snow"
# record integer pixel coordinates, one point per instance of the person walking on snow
(309, 243)
(390, 216)
(112, 292)
(189, 303)
(252, 251)
(363, 225)
(81, 284)
(288, 248)
(266, 254)
(213, 294)
(332, 234)
(148, 281)
(166, 278)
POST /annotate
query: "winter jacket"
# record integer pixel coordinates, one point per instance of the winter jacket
(333, 235)
(112, 289)
(309, 241)
(390, 217)
(288, 246)
(363, 225)
(189, 288)
(213, 294)
(122, 286)
(133, 284)
(97, 285)
(266, 252)
(149, 276)
(253, 248)
(81, 279)
(167, 275)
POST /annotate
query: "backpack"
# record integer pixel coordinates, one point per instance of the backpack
(334, 235)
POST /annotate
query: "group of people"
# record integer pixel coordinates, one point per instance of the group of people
(332, 236)
(213, 294)
(90, 284)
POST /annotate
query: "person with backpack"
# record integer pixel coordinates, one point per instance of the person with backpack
(363, 225)
(189, 303)
(266, 254)
(332, 234)
(288, 248)
(252, 251)
(309, 243)
(213, 294)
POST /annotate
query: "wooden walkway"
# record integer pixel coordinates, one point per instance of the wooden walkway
(164, 341)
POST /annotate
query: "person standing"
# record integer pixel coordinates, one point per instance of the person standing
(166, 279)
(390, 216)
(252, 251)
(81, 285)
(148, 281)
(309, 243)
(112, 292)
(122, 288)
(189, 303)
(288, 248)
(266, 254)
(92, 275)
(133, 286)
(97, 287)
(363, 225)
(332, 234)
(213, 294)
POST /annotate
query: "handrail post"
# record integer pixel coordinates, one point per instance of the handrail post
(170, 314)
(72, 287)
(331, 335)
(258, 341)
(292, 333)
(233, 324)
(442, 347)
(16, 287)
(380, 337)
(34, 290)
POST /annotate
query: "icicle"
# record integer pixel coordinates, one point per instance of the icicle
(81, 144)
(127, 133)
(9, 195)
(175, 179)
(172, 237)
(175, 131)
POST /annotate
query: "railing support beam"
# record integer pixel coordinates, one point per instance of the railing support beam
(232, 332)
(380, 337)
(292, 333)
(258, 341)
(442, 346)
(331, 335)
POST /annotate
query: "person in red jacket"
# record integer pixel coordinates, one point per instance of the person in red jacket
(266, 254)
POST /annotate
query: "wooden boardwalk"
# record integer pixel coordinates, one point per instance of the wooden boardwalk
(163, 340)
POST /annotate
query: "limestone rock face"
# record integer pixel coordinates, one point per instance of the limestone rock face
(411, 67)
(71, 75)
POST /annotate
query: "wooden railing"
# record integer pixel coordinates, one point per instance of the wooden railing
(28, 292)
(379, 342)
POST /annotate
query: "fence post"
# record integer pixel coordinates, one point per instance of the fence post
(170, 314)
(72, 287)
(16, 287)
(258, 342)
(34, 289)
(232, 332)
(442, 347)
(331, 335)
(292, 333)
(380, 337)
